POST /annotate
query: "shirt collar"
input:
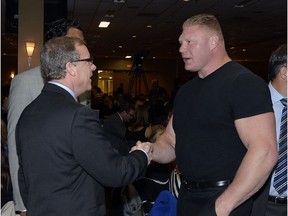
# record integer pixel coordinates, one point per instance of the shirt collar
(275, 95)
(66, 88)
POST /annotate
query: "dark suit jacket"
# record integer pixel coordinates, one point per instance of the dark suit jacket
(65, 158)
(116, 129)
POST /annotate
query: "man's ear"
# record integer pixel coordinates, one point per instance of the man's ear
(71, 69)
(213, 41)
(283, 72)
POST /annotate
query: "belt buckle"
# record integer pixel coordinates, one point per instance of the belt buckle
(280, 200)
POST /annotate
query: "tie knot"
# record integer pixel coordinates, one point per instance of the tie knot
(284, 102)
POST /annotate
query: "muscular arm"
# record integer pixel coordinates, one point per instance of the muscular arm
(164, 147)
(259, 137)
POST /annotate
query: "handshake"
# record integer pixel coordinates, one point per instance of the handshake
(146, 147)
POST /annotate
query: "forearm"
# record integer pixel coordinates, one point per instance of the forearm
(163, 151)
(250, 177)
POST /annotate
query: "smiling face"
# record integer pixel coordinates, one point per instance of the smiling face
(195, 47)
(84, 70)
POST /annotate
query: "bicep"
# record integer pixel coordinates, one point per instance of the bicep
(258, 130)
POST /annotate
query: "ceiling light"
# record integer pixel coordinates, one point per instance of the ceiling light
(119, 1)
(244, 3)
(110, 14)
(128, 57)
(103, 24)
(149, 26)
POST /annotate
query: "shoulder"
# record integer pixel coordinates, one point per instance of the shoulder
(34, 72)
(31, 77)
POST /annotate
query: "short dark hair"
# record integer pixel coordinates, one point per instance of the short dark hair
(60, 28)
(125, 106)
(277, 60)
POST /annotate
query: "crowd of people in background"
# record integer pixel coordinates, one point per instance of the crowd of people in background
(149, 123)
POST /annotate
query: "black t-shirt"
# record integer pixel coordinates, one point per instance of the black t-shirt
(208, 147)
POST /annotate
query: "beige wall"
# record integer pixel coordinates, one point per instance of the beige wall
(31, 25)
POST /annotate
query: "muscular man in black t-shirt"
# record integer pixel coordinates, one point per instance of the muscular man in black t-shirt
(222, 132)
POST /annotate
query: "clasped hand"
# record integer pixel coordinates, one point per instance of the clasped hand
(146, 147)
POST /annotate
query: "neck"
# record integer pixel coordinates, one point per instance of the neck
(280, 84)
(217, 63)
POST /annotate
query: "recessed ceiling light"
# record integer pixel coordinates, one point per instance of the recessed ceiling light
(119, 1)
(103, 24)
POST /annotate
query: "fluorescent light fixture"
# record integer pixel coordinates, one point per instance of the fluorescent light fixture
(104, 24)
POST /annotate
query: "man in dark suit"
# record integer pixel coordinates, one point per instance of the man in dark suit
(271, 200)
(115, 126)
(25, 87)
(65, 158)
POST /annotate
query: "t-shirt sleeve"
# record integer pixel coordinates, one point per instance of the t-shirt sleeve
(250, 96)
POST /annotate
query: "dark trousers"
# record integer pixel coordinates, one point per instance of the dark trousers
(274, 209)
(202, 203)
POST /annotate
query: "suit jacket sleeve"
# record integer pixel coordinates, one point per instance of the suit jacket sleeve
(96, 155)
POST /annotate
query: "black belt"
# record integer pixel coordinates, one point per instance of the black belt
(190, 185)
(278, 200)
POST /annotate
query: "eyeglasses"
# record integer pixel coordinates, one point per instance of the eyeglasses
(87, 60)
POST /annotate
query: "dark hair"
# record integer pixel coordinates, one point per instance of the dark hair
(277, 60)
(125, 106)
(141, 117)
(60, 28)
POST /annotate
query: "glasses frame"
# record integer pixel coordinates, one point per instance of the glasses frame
(90, 60)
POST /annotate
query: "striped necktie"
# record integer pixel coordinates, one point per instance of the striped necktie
(280, 179)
